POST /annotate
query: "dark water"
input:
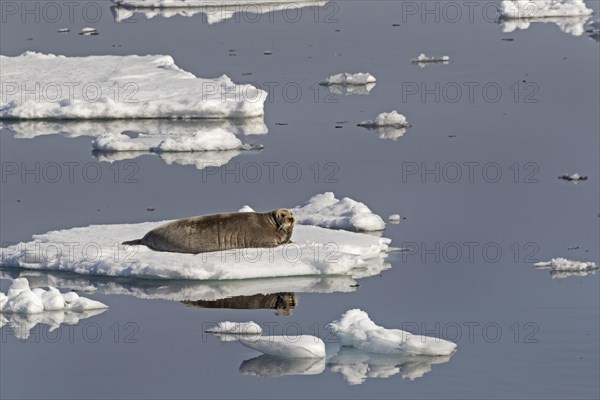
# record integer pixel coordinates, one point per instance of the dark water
(520, 333)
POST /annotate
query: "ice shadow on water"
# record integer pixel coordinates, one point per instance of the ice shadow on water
(357, 366)
(214, 11)
(279, 294)
(271, 367)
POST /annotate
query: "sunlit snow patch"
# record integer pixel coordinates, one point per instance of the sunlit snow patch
(115, 87)
(356, 329)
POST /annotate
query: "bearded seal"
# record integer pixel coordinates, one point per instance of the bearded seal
(219, 232)
(283, 302)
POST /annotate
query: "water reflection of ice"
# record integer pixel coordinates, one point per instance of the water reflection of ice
(22, 324)
(214, 11)
(357, 366)
(270, 367)
(572, 25)
(348, 90)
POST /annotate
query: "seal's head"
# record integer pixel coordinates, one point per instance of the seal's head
(284, 219)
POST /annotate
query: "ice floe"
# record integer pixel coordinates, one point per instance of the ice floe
(238, 328)
(88, 32)
(564, 268)
(115, 87)
(20, 299)
(327, 211)
(357, 366)
(569, 15)
(213, 140)
(301, 346)
(394, 219)
(573, 177)
(356, 329)
(215, 11)
(357, 79)
(422, 60)
(96, 250)
(390, 119)
(270, 367)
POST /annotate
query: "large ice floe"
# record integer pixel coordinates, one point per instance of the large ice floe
(569, 15)
(116, 87)
(96, 250)
(22, 308)
(356, 366)
(327, 211)
(356, 329)
(214, 11)
(564, 268)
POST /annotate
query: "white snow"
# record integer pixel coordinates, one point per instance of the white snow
(357, 365)
(96, 250)
(517, 9)
(113, 87)
(391, 119)
(269, 367)
(327, 211)
(212, 140)
(565, 265)
(215, 10)
(20, 299)
(356, 329)
(301, 346)
(238, 328)
(361, 78)
(88, 31)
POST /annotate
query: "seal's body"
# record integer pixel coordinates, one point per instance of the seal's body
(221, 232)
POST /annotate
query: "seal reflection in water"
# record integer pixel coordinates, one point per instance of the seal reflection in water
(221, 232)
(284, 302)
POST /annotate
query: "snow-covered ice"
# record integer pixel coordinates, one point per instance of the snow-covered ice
(564, 265)
(569, 15)
(96, 250)
(115, 87)
(360, 78)
(394, 218)
(270, 367)
(357, 365)
(301, 346)
(20, 299)
(523, 9)
(391, 119)
(213, 140)
(327, 211)
(237, 328)
(215, 11)
(356, 329)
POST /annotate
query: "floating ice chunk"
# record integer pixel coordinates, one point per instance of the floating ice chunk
(573, 177)
(523, 9)
(357, 365)
(64, 30)
(565, 265)
(392, 119)
(327, 211)
(361, 78)
(356, 329)
(246, 208)
(422, 60)
(394, 218)
(302, 346)
(213, 140)
(270, 367)
(149, 87)
(20, 299)
(340, 253)
(88, 31)
(215, 10)
(238, 328)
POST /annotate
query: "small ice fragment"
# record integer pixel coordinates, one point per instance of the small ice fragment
(64, 30)
(238, 328)
(88, 31)
(564, 265)
(423, 59)
(391, 119)
(394, 218)
(573, 177)
(360, 78)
